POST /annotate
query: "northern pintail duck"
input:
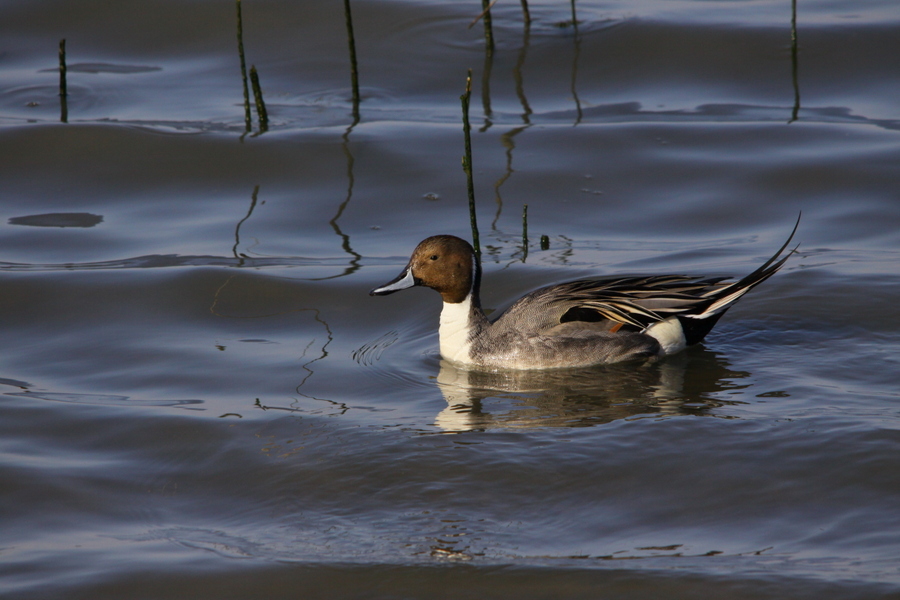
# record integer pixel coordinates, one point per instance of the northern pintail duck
(575, 324)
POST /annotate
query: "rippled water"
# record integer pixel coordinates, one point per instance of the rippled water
(200, 399)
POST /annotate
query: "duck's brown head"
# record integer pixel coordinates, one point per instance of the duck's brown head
(444, 263)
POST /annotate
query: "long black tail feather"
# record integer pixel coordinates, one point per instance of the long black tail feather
(723, 299)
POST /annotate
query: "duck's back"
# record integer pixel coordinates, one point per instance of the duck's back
(553, 327)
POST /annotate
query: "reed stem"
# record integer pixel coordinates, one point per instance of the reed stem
(488, 26)
(63, 86)
(524, 232)
(526, 14)
(248, 121)
(62, 68)
(258, 97)
(354, 71)
(467, 163)
(795, 63)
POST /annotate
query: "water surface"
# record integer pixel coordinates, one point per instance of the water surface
(200, 399)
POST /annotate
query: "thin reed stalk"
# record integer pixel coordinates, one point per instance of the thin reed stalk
(524, 232)
(63, 85)
(248, 121)
(467, 163)
(354, 70)
(261, 111)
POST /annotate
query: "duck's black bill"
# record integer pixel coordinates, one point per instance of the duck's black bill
(401, 282)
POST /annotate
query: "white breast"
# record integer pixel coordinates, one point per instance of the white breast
(454, 331)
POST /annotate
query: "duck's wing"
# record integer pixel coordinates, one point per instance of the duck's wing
(637, 303)
(612, 302)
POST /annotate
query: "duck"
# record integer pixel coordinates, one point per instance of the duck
(580, 323)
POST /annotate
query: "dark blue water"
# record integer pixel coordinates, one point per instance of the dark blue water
(198, 398)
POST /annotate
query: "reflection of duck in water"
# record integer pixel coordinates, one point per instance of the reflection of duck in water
(575, 324)
(684, 384)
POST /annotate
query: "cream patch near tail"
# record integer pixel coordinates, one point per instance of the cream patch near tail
(669, 334)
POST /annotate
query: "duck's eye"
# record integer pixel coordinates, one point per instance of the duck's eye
(434, 257)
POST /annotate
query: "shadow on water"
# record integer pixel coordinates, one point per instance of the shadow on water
(576, 38)
(486, 91)
(517, 73)
(688, 383)
(356, 257)
(488, 66)
(240, 298)
(345, 143)
(240, 256)
(58, 220)
(509, 144)
(507, 139)
(28, 390)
